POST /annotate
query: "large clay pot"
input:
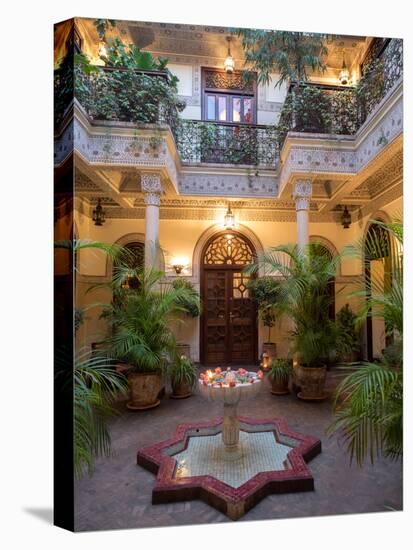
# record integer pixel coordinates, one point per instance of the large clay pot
(279, 386)
(144, 390)
(312, 382)
(181, 390)
(270, 349)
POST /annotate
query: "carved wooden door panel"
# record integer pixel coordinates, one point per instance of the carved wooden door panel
(242, 320)
(215, 317)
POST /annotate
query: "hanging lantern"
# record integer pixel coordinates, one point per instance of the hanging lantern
(346, 218)
(99, 214)
(229, 219)
(229, 63)
(344, 76)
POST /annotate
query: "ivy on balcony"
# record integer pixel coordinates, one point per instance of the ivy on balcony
(117, 92)
(324, 110)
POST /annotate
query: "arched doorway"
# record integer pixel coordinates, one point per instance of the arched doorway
(377, 266)
(229, 319)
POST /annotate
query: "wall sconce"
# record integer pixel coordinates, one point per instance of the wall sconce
(346, 218)
(229, 218)
(102, 50)
(179, 264)
(344, 76)
(99, 214)
(229, 63)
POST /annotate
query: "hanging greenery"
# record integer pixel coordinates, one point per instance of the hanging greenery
(289, 54)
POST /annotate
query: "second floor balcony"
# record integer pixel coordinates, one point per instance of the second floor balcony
(142, 98)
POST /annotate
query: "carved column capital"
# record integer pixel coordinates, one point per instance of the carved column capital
(302, 191)
(151, 182)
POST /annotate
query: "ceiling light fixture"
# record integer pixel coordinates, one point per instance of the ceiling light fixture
(344, 76)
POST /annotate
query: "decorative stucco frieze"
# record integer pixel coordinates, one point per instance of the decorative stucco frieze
(210, 214)
(317, 160)
(228, 185)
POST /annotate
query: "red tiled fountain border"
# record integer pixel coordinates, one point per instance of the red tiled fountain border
(234, 502)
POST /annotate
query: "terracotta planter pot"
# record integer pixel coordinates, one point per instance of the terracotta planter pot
(280, 387)
(270, 349)
(184, 349)
(312, 382)
(144, 390)
(181, 390)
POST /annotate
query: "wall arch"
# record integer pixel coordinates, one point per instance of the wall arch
(329, 246)
(124, 240)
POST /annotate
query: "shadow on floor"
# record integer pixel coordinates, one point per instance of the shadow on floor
(45, 514)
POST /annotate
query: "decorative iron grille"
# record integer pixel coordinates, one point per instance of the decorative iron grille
(227, 143)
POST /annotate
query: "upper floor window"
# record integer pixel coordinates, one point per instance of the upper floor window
(228, 97)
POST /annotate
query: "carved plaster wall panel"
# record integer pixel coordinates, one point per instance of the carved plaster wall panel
(63, 144)
(386, 131)
(106, 148)
(317, 160)
(228, 185)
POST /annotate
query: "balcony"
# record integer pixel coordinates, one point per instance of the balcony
(227, 143)
(321, 109)
(146, 102)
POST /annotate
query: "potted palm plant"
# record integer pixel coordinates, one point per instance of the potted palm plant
(279, 375)
(183, 375)
(140, 333)
(304, 296)
(264, 292)
(190, 305)
(368, 408)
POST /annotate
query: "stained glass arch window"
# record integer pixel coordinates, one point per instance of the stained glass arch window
(229, 249)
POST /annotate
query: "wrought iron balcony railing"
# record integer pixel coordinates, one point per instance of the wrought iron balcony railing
(226, 143)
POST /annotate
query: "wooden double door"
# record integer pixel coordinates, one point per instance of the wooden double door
(229, 321)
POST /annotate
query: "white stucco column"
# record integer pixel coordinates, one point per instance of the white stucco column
(152, 189)
(302, 191)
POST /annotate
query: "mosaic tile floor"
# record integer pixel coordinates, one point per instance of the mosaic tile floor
(205, 455)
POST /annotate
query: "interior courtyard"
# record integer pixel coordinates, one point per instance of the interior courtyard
(240, 167)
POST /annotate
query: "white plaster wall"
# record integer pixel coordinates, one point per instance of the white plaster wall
(267, 117)
(191, 112)
(184, 73)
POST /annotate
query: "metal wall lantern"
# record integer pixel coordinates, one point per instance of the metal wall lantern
(99, 214)
(346, 218)
(229, 218)
(229, 63)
